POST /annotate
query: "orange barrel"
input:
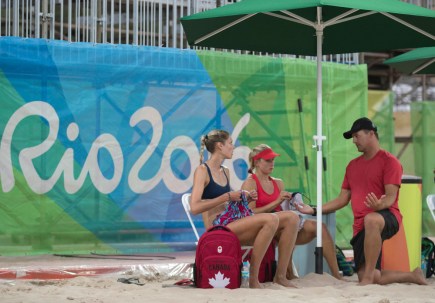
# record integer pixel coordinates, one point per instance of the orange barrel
(403, 251)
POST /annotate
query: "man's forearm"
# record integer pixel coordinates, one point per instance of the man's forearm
(331, 206)
(387, 202)
(338, 203)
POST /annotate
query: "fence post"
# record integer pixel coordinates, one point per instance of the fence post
(100, 22)
(135, 22)
(44, 19)
(16, 19)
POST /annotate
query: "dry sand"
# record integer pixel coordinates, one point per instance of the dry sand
(311, 288)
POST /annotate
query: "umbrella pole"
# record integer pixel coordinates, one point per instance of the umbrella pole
(301, 124)
(318, 139)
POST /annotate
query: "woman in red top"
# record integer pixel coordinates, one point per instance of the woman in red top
(271, 194)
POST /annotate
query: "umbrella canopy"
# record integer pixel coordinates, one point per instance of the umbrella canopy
(418, 61)
(289, 26)
(313, 27)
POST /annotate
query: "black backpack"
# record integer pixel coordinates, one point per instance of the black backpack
(427, 256)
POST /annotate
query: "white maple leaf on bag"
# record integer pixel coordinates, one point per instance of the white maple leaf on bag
(219, 281)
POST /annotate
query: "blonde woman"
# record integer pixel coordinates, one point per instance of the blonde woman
(270, 195)
(210, 194)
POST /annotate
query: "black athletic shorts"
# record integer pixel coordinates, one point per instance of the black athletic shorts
(390, 229)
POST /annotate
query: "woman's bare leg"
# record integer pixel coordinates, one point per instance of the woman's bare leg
(308, 233)
(287, 234)
(257, 231)
(290, 275)
(304, 236)
(329, 252)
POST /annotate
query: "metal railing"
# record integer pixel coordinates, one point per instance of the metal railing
(430, 4)
(136, 22)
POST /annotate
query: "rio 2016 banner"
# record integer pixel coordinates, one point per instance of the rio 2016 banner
(99, 142)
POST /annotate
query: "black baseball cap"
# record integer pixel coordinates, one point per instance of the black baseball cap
(359, 124)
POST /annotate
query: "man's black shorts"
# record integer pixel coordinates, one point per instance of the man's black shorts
(390, 229)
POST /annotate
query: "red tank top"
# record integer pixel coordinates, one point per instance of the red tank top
(263, 197)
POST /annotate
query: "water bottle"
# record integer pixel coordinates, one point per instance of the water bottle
(245, 275)
(423, 265)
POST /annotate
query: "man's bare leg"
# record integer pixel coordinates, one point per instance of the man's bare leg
(416, 276)
(373, 225)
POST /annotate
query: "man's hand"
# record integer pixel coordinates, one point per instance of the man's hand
(373, 202)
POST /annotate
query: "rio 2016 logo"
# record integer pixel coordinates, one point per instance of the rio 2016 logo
(108, 142)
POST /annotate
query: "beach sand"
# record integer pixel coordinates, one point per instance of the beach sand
(106, 288)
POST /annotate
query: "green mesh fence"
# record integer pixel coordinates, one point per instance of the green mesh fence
(423, 130)
(380, 110)
(269, 89)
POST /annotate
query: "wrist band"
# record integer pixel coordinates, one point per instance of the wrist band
(229, 196)
(315, 211)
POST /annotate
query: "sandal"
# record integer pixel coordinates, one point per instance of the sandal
(182, 283)
(130, 281)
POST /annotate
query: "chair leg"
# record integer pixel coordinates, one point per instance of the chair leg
(295, 271)
(247, 250)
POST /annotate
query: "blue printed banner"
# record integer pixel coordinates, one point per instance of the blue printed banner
(99, 142)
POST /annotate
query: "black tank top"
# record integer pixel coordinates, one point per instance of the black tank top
(213, 190)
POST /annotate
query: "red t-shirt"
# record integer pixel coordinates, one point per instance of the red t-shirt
(263, 198)
(365, 176)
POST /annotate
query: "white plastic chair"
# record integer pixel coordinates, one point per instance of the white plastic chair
(430, 200)
(185, 200)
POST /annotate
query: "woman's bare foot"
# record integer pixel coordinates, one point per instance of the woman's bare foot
(254, 283)
(339, 277)
(283, 281)
(290, 275)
